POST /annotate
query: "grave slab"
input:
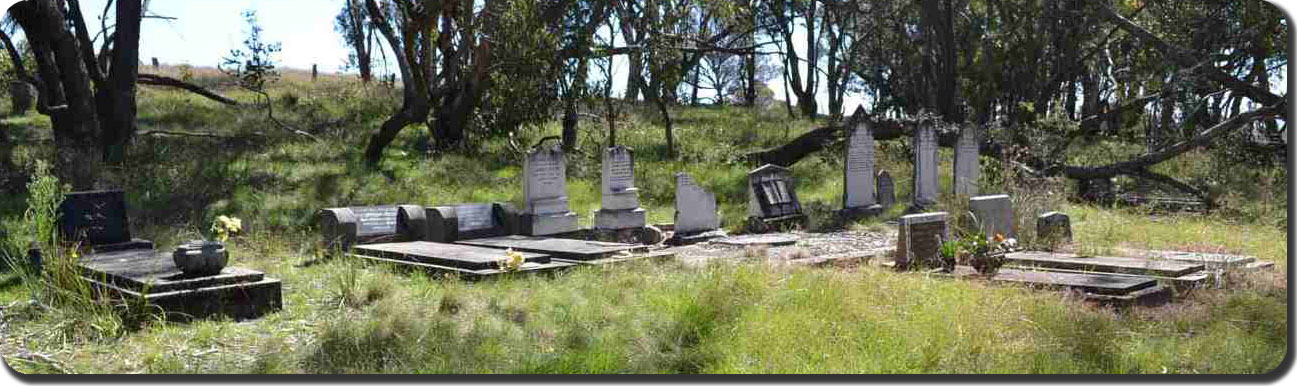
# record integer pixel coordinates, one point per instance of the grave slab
(1211, 260)
(448, 255)
(771, 240)
(1090, 283)
(566, 249)
(1103, 264)
(471, 274)
(152, 277)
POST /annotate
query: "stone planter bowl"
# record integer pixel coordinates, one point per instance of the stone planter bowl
(201, 258)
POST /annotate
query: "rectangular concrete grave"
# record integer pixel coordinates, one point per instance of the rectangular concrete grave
(544, 190)
(344, 227)
(858, 193)
(967, 161)
(919, 240)
(1166, 268)
(152, 277)
(926, 183)
(1210, 260)
(1089, 283)
(995, 214)
(449, 255)
(559, 249)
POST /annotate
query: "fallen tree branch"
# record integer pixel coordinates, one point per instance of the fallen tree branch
(169, 133)
(818, 139)
(164, 81)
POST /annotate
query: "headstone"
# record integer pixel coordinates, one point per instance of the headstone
(995, 213)
(886, 189)
(345, 227)
(1054, 227)
(967, 161)
(470, 221)
(771, 194)
(919, 240)
(695, 207)
(544, 188)
(620, 196)
(925, 166)
(96, 218)
(858, 185)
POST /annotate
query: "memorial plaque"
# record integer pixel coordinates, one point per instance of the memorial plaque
(474, 217)
(695, 207)
(919, 240)
(375, 220)
(926, 184)
(967, 163)
(858, 187)
(886, 189)
(97, 218)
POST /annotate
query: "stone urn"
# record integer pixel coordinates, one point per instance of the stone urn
(201, 258)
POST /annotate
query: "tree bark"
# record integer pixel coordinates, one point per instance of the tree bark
(118, 122)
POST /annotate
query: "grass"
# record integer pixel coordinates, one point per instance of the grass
(341, 316)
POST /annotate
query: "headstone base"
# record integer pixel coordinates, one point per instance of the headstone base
(620, 219)
(548, 224)
(860, 212)
(694, 238)
(144, 275)
(775, 224)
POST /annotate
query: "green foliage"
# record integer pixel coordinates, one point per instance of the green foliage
(253, 66)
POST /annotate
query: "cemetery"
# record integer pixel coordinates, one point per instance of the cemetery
(589, 188)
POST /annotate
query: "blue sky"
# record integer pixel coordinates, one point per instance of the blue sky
(206, 30)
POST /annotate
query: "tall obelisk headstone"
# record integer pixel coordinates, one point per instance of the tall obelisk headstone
(544, 187)
(925, 165)
(967, 164)
(858, 195)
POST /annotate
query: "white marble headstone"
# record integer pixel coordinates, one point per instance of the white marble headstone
(859, 183)
(619, 192)
(967, 164)
(545, 184)
(925, 165)
(695, 207)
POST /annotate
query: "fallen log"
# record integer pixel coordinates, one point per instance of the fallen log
(159, 80)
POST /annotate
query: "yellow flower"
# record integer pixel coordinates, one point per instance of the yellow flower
(512, 261)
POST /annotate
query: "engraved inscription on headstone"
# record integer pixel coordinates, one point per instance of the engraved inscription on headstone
(919, 240)
(925, 166)
(620, 197)
(475, 217)
(858, 188)
(967, 164)
(886, 189)
(375, 220)
(695, 207)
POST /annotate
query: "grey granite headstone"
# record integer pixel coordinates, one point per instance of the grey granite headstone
(695, 207)
(967, 164)
(470, 221)
(1054, 227)
(919, 240)
(771, 194)
(620, 196)
(346, 227)
(995, 214)
(925, 166)
(544, 189)
(886, 189)
(858, 187)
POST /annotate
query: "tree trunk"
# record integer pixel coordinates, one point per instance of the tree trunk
(119, 120)
(75, 121)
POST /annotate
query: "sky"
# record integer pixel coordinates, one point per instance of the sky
(206, 30)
